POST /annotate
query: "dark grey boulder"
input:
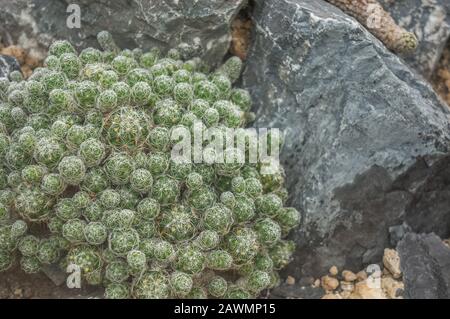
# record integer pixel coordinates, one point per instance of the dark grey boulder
(425, 264)
(430, 21)
(7, 65)
(365, 137)
(144, 23)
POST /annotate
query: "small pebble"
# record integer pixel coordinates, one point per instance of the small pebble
(334, 271)
(316, 283)
(332, 296)
(329, 283)
(290, 280)
(347, 286)
(18, 292)
(362, 275)
(349, 275)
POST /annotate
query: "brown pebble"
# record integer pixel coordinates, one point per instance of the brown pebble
(332, 296)
(18, 292)
(290, 280)
(348, 275)
(347, 286)
(345, 294)
(316, 283)
(329, 283)
(362, 275)
(334, 271)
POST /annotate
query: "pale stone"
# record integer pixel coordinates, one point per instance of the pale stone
(329, 283)
(362, 275)
(332, 296)
(290, 280)
(348, 275)
(333, 271)
(391, 287)
(391, 261)
(347, 286)
(365, 291)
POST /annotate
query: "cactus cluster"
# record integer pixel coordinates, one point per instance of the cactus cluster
(85, 147)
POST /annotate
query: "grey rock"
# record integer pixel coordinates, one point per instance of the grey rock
(55, 274)
(430, 21)
(397, 232)
(365, 137)
(285, 291)
(33, 24)
(425, 262)
(7, 65)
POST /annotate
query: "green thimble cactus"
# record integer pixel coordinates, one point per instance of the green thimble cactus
(53, 184)
(137, 261)
(86, 258)
(207, 240)
(30, 264)
(109, 199)
(28, 245)
(163, 251)
(48, 251)
(148, 208)
(281, 253)
(66, 209)
(180, 283)
(218, 218)
(242, 244)
(122, 241)
(219, 260)
(95, 233)
(118, 168)
(141, 180)
(81, 199)
(60, 47)
(257, 281)
(268, 231)
(72, 170)
(4, 213)
(6, 260)
(18, 229)
(117, 291)
(166, 190)
(197, 293)
(117, 271)
(268, 204)
(142, 94)
(152, 285)
(73, 230)
(217, 287)
(190, 260)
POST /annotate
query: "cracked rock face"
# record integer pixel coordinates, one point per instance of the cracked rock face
(430, 21)
(365, 138)
(35, 24)
(425, 260)
(7, 65)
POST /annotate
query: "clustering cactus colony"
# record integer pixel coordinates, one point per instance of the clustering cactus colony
(86, 177)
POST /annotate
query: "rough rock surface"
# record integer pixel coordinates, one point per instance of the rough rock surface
(425, 263)
(430, 21)
(295, 292)
(33, 24)
(7, 65)
(365, 138)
